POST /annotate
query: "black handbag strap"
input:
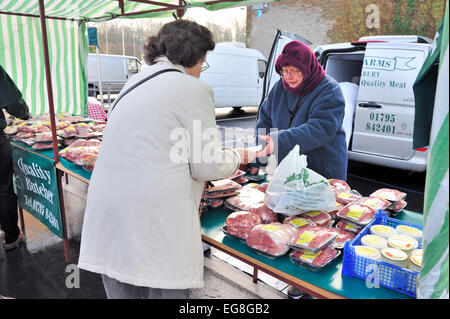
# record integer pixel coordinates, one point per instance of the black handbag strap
(139, 83)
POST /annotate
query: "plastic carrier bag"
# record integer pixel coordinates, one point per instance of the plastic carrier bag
(295, 189)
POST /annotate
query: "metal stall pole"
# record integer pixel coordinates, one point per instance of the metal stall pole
(52, 120)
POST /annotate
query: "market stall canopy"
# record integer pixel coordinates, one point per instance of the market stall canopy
(21, 42)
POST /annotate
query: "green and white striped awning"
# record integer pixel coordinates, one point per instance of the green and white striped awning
(434, 276)
(22, 53)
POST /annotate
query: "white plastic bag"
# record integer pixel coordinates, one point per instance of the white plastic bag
(296, 189)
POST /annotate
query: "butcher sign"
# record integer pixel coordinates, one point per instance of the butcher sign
(37, 189)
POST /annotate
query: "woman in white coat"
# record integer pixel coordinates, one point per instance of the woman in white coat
(141, 227)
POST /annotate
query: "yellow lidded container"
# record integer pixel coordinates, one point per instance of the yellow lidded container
(394, 256)
(368, 252)
(383, 231)
(409, 231)
(404, 243)
(374, 241)
(415, 260)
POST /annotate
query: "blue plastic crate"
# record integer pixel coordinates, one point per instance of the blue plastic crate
(379, 272)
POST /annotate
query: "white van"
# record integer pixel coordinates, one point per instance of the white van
(236, 75)
(114, 72)
(384, 68)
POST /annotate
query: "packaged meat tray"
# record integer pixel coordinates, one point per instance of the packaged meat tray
(240, 180)
(222, 194)
(263, 187)
(213, 202)
(339, 185)
(240, 223)
(85, 159)
(334, 212)
(357, 213)
(237, 174)
(341, 238)
(398, 206)
(374, 202)
(43, 146)
(389, 194)
(346, 197)
(297, 221)
(349, 226)
(319, 218)
(246, 198)
(314, 261)
(266, 214)
(271, 240)
(313, 237)
(222, 185)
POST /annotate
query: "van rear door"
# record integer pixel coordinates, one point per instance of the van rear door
(384, 115)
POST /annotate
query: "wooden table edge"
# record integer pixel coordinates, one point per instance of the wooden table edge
(291, 280)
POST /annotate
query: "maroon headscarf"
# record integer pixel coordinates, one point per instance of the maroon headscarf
(300, 55)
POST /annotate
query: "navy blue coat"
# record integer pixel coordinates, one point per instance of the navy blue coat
(316, 127)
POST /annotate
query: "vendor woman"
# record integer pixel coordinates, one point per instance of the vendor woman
(305, 107)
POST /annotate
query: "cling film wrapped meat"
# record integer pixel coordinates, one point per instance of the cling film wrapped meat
(240, 223)
(266, 214)
(314, 261)
(318, 217)
(357, 213)
(271, 239)
(313, 237)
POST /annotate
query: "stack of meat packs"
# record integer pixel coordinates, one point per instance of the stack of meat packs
(316, 237)
(80, 135)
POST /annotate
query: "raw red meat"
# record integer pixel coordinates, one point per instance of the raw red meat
(349, 226)
(317, 259)
(342, 237)
(266, 214)
(42, 146)
(389, 194)
(357, 213)
(374, 202)
(263, 187)
(70, 153)
(339, 185)
(240, 223)
(246, 198)
(398, 206)
(334, 212)
(313, 237)
(86, 159)
(272, 239)
(298, 221)
(222, 185)
(236, 174)
(318, 217)
(43, 137)
(27, 128)
(346, 197)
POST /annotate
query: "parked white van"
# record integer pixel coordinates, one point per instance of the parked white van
(382, 70)
(114, 72)
(236, 74)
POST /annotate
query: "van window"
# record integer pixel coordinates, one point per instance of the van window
(133, 66)
(262, 68)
